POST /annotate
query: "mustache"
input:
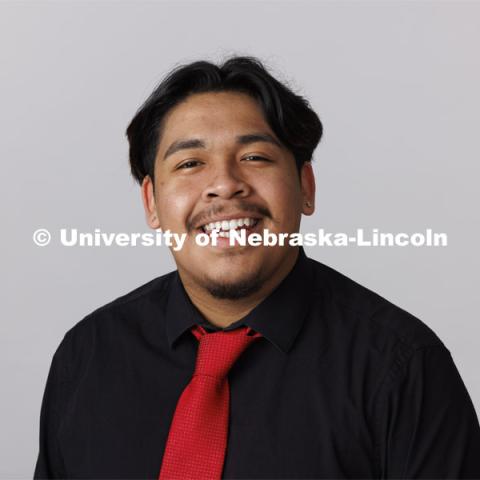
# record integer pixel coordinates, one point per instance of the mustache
(204, 217)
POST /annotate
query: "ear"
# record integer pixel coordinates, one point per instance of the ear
(148, 198)
(307, 179)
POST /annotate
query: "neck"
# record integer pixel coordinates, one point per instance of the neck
(223, 312)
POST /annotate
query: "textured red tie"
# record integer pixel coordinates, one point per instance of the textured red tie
(197, 441)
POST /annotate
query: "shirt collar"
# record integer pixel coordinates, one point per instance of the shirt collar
(279, 317)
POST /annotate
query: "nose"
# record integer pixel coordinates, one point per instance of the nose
(226, 183)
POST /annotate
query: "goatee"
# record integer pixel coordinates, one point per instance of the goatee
(234, 290)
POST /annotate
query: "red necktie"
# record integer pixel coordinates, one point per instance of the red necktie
(197, 441)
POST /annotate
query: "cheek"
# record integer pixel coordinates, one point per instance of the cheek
(284, 195)
(174, 206)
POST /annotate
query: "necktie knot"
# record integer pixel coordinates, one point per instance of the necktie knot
(218, 351)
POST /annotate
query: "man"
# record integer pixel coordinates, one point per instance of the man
(247, 362)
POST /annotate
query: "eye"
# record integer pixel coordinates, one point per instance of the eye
(188, 165)
(256, 158)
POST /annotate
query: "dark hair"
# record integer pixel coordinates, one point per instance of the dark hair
(289, 115)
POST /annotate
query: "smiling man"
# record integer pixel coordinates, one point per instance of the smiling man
(247, 362)
(219, 165)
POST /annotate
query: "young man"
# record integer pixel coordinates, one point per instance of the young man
(247, 362)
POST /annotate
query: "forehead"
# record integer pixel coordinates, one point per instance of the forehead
(214, 113)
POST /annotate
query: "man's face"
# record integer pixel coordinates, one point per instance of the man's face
(219, 160)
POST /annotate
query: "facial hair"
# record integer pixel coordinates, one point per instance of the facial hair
(234, 290)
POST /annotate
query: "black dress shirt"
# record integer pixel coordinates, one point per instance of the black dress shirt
(343, 384)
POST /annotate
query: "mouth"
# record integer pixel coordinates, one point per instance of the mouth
(224, 227)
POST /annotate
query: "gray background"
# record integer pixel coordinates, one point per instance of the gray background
(395, 84)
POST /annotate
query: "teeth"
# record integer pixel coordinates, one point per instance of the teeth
(227, 225)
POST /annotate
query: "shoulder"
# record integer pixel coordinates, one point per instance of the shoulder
(363, 310)
(106, 321)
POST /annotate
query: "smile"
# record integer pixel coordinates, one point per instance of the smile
(223, 227)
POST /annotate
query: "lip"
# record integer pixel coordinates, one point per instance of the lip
(223, 243)
(221, 218)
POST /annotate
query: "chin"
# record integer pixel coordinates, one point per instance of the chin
(233, 287)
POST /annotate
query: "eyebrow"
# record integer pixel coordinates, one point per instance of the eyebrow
(257, 137)
(185, 144)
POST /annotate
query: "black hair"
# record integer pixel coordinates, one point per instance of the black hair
(289, 115)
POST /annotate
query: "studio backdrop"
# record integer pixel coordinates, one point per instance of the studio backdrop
(394, 83)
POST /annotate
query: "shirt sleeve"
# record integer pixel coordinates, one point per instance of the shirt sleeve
(429, 427)
(49, 462)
